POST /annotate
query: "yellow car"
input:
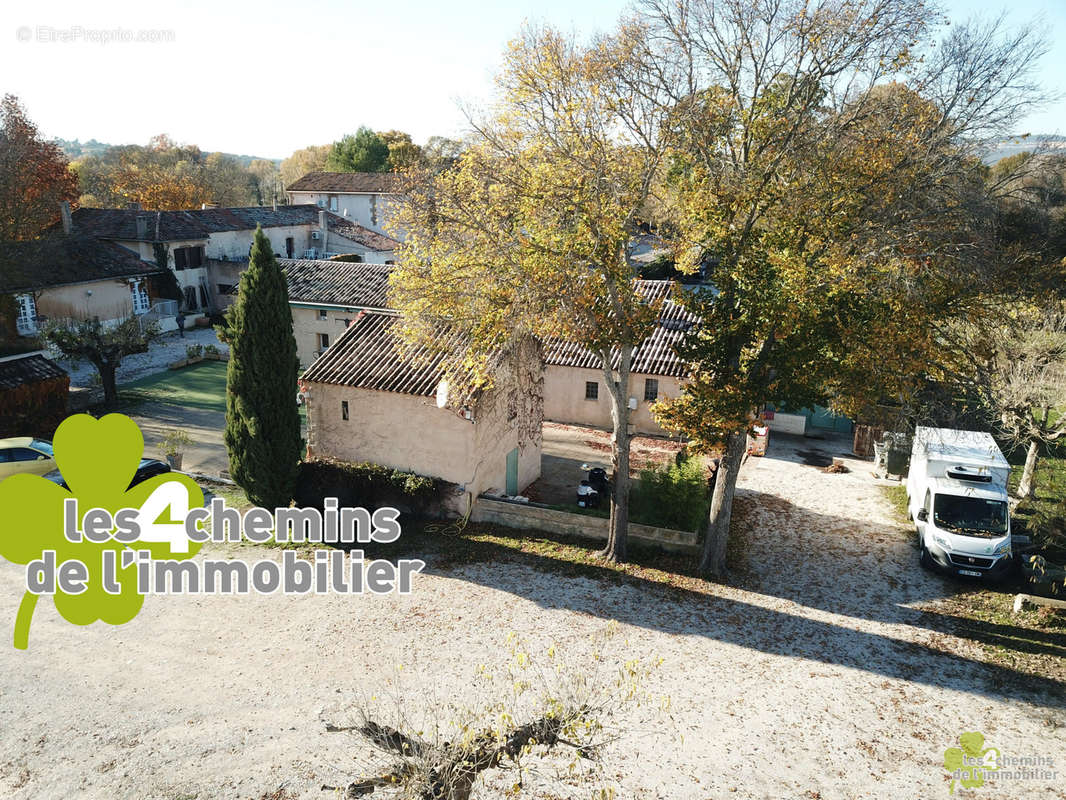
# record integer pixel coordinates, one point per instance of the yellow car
(26, 454)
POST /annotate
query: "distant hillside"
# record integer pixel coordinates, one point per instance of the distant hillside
(74, 148)
(1010, 147)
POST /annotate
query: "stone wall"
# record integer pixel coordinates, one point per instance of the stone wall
(550, 520)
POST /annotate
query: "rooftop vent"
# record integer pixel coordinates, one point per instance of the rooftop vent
(972, 474)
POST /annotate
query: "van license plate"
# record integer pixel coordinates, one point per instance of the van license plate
(972, 573)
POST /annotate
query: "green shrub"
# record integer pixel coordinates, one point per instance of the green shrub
(672, 496)
(367, 485)
(1047, 526)
(194, 351)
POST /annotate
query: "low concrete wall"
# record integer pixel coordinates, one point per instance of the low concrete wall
(550, 520)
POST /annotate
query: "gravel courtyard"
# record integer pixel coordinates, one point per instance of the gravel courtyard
(819, 678)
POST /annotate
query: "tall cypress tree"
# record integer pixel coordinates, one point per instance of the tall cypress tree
(262, 421)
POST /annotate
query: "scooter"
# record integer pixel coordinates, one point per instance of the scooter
(592, 489)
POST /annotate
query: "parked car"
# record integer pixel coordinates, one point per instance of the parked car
(148, 468)
(26, 454)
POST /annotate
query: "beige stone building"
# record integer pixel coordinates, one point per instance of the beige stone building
(70, 276)
(369, 400)
(324, 297)
(574, 384)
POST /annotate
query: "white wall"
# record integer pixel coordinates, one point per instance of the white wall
(564, 399)
(234, 245)
(186, 277)
(369, 210)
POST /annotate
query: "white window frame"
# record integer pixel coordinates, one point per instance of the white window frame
(26, 321)
(139, 294)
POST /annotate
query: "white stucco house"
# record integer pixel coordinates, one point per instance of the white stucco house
(364, 197)
(207, 248)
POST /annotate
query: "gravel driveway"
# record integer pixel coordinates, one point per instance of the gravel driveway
(815, 676)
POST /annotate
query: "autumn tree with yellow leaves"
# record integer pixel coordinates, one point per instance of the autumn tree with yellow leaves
(527, 235)
(826, 173)
(818, 162)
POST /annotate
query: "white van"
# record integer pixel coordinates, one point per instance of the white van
(957, 497)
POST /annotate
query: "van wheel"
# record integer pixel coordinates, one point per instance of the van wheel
(924, 558)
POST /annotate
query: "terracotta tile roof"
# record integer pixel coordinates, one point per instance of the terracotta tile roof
(352, 230)
(28, 369)
(62, 260)
(217, 220)
(368, 356)
(337, 283)
(121, 224)
(654, 356)
(365, 286)
(346, 183)
(169, 226)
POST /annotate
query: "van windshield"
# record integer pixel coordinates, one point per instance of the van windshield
(970, 516)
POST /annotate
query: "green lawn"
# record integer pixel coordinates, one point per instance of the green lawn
(1050, 474)
(1050, 499)
(201, 386)
(897, 496)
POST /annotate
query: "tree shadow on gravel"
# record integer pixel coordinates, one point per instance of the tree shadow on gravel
(659, 592)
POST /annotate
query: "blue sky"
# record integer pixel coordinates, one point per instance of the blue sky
(267, 77)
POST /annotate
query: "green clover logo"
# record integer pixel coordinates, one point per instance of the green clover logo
(970, 761)
(98, 459)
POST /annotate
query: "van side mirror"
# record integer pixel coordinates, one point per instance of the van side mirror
(923, 515)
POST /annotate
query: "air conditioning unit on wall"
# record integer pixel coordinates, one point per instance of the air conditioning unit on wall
(316, 235)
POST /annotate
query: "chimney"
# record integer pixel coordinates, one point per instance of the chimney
(323, 229)
(142, 226)
(64, 213)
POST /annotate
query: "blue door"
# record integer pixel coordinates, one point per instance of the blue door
(512, 472)
(823, 418)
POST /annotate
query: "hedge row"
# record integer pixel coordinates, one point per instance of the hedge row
(367, 485)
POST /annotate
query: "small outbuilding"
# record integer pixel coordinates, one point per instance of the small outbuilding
(34, 393)
(371, 399)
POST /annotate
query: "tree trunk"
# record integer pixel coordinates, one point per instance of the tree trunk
(1027, 484)
(716, 533)
(618, 530)
(107, 372)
